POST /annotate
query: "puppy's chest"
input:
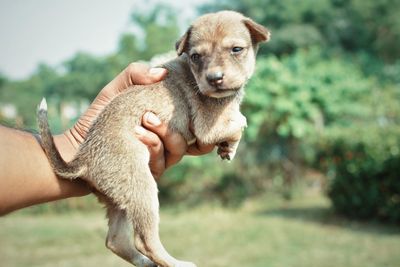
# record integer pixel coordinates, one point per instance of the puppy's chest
(209, 124)
(217, 123)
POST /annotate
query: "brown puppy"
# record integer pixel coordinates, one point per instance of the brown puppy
(204, 88)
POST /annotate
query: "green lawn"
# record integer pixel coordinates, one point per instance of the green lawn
(266, 232)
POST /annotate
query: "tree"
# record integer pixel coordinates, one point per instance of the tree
(3, 81)
(128, 49)
(160, 29)
(352, 25)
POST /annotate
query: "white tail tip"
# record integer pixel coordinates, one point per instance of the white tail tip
(43, 104)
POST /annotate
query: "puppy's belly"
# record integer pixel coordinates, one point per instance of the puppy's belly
(169, 107)
(117, 163)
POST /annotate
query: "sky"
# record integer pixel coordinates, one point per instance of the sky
(51, 31)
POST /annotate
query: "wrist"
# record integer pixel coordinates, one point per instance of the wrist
(67, 145)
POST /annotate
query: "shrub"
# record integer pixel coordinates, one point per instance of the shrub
(364, 166)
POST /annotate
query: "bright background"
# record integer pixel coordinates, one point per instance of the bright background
(34, 31)
(316, 178)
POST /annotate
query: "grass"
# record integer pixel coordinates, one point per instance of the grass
(264, 232)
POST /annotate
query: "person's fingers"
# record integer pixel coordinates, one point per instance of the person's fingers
(175, 145)
(135, 73)
(156, 149)
(197, 149)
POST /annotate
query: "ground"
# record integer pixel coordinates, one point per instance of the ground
(264, 232)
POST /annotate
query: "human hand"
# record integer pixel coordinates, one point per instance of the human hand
(166, 147)
(134, 74)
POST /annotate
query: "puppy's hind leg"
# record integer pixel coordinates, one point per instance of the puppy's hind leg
(120, 238)
(145, 216)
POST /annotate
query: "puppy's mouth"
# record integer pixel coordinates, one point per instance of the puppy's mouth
(223, 92)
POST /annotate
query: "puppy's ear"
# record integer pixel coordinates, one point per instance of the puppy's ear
(182, 44)
(258, 32)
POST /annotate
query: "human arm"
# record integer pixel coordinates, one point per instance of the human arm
(26, 177)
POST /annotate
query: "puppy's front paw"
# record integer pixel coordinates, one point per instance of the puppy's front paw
(227, 150)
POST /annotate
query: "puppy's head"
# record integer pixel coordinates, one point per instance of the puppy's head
(221, 49)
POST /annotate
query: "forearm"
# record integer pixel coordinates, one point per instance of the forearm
(26, 177)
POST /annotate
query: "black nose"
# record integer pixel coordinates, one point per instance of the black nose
(215, 78)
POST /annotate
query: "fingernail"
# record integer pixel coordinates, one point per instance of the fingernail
(152, 119)
(156, 71)
(139, 130)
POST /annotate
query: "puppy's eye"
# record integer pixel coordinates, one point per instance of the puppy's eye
(237, 50)
(195, 57)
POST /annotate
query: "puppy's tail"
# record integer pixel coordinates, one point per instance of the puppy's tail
(70, 170)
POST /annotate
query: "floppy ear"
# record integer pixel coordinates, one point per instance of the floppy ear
(258, 32)
(182, 44)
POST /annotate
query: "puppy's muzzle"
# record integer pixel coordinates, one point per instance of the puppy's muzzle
(215, 78)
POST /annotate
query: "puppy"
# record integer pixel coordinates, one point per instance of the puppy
(204, 88)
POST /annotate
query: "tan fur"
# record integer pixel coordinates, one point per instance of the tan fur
(115, 162)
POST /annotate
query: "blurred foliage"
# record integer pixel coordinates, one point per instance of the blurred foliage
(161, 30)
(364, 168)
(291, 103)
(304, 92)
(352, 25)
(326, 85)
